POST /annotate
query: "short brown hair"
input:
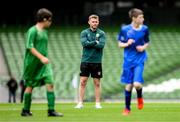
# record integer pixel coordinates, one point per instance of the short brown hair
(135, 12)
(43, 14)
(93, 16)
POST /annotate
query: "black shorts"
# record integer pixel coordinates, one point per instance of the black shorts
(95, 69)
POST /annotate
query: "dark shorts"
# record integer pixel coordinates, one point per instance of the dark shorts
(93, 69)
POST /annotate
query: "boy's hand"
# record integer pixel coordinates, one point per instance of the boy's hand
(140, 48)
(44, 60)
(130, 41)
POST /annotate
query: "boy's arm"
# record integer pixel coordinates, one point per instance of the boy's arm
(123, 41)
(31, 36)
(125, 44)
(37, 54)
(122, 44)
(141, 48)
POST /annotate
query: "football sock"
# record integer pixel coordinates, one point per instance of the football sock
(139, 93)
(51, 100)
(27, 101)
(128, 99)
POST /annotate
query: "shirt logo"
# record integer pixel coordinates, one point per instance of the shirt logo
(122, 38)
(97, 35)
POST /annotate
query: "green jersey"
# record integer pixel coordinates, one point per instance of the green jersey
(93, 43)
(34, 69)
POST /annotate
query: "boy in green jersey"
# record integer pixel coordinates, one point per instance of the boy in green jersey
(37, 68)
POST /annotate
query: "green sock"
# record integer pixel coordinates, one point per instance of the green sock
(51, 100)
(27, 101)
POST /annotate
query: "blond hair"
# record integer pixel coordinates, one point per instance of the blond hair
(94, 16)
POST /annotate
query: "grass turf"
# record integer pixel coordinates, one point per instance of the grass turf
(111, 112)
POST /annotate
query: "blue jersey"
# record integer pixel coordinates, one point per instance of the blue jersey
(141, 36)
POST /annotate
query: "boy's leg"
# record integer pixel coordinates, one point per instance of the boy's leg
(27, 102)
(138, 81)
(140, 100)
(51, 101)
(127, 78)
(50, 97)
(138, 87)
(127, 92)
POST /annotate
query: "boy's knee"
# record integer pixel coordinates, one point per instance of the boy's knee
(50, 87)
(129, 87)
(28, 90)
(137, 85)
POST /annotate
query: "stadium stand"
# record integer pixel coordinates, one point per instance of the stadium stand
(65, 52)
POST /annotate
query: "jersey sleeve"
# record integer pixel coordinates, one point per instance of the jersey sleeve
(84, 41)
(146, 37)
(31, 34)
(122, 36)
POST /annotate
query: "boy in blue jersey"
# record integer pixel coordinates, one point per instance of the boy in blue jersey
(134, 38)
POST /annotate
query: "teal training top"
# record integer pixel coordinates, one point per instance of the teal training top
(93, 43)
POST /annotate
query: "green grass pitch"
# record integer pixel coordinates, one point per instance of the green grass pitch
(111, 112)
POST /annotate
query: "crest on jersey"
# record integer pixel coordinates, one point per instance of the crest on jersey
(97, 35)
(122, 38)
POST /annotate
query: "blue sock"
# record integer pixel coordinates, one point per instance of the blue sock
(139, 93)
(127, 99)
